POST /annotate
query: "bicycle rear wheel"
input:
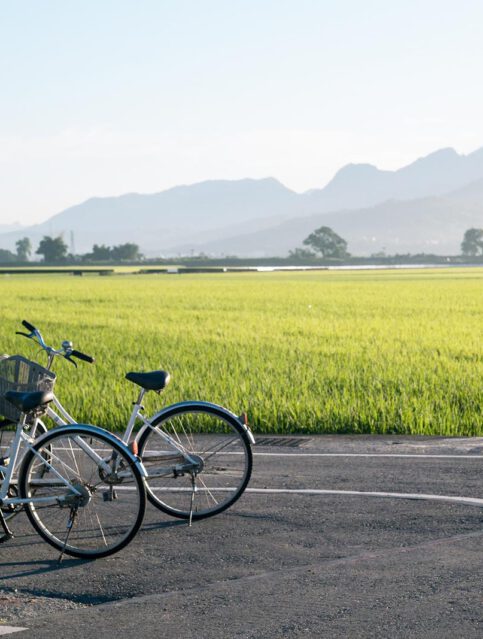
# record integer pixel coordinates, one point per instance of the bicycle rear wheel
(219, 445)
(94, 494)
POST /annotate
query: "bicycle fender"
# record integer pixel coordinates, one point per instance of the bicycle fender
(215, 408)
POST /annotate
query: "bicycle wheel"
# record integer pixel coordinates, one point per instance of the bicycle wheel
(36, 430)
(219, 448)
(94, 494)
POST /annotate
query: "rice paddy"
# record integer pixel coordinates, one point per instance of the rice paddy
(326, 351)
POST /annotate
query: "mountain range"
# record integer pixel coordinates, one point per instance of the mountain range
(423, 207)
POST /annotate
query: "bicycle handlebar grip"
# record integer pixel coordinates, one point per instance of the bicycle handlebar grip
(83, 356)
(29, 326)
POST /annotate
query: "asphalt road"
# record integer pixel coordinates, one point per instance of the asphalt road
(283, 564)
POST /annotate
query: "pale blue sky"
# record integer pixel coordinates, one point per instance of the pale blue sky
(103, 97)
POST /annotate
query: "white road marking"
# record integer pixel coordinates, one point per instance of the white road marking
(285, 454)
(8, 630)
(410, 455)
(472, 501)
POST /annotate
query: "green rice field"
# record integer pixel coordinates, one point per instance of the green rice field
(395, 351)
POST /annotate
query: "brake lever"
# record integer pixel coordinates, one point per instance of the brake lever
(24, 334)
(70, 360)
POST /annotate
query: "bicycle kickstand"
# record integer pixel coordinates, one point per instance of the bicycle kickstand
(7, 533)
(193, 490)
(70, 523)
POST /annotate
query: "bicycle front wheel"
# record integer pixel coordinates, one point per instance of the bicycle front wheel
(88, 496)
(220, 449)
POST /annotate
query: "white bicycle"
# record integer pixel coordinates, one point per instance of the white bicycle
(197, 455)
(81, 487)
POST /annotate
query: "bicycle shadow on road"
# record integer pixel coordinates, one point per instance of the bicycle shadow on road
(153, 526)
(15, 570)
(29, 543)
(38, 567)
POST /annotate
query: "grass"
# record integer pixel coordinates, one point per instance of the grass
(326, 351)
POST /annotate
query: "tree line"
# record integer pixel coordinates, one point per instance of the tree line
(326, 243)
(322, 242)
(54, 250)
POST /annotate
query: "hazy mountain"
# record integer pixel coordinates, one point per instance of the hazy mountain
(362, 185)
(405, 210)
(184, 213)
(8, 228)
(424, 225)
(471, 193)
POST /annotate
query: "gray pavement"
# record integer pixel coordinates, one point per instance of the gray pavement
(282, 565)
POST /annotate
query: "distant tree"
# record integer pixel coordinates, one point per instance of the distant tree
(301, 254)
(122, 253)
(126, 252)
(100, 253)
(326, 242)
(53, 249)
(7, 256)
(24, 249)
(472, 243)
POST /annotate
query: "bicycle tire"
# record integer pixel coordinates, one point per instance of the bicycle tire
(214, 436)
(109, 511)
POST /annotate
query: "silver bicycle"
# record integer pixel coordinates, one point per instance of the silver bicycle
(197, 455)
(81, 487)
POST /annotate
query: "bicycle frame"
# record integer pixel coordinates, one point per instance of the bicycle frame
(62, 418)
(65, 418)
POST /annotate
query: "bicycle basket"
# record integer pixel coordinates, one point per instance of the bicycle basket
(20, 374)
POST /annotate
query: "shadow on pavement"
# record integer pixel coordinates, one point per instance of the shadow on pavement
(38, 567)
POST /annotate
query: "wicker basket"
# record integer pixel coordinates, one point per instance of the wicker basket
(20, 374)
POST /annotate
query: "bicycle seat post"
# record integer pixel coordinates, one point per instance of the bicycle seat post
(137, 407)
(139, 401)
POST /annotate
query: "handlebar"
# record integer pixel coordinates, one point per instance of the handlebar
(30, 327)
(65, 350)
(83, 357)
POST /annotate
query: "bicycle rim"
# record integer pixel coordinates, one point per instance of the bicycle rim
(97, 513)
(216, 442)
